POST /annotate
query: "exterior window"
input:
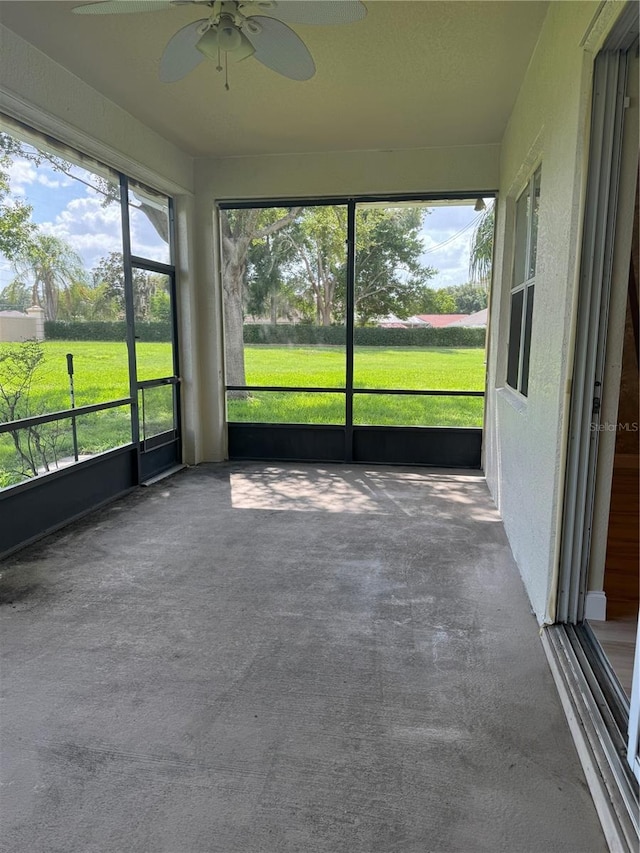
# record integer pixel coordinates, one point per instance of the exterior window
(89, 303)
(522, 285)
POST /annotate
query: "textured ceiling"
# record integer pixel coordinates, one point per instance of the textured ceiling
(410, 75)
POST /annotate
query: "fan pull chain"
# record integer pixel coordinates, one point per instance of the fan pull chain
(218, 66)
(226, 70)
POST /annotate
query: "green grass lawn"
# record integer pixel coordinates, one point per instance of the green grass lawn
(101, 374)
(101, 371)
(406, 368)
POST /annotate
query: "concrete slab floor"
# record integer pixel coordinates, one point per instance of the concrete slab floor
(271, 658)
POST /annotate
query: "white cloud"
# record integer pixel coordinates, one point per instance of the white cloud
(91, 229)
(52, 183)
(447, 237)
(22, 174)
(94, 230)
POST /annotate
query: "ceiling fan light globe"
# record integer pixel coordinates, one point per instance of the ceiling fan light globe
(229, 38)
(208, 44)
(245, 50)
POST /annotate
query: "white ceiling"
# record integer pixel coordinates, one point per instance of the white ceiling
(410, 75)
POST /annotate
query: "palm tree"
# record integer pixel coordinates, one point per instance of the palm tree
(50, 266)
(482, 248)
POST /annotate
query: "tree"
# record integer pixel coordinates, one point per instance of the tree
(82, 301)
(239, 229)
(267, 287)
(482, 248)
(16, 295)
(160, 305)
(437, 301)
(35, 445)
(16, 227)
(109, 274)
(318, 243)
(390, 276)
(468, 297)
(49, 266)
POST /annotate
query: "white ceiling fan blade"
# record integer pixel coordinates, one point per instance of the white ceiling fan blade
(280, 49)
(318, 11)
(180, 55)
(122, 7)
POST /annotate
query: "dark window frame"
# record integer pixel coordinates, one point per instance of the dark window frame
(130, 262)
(349, 390)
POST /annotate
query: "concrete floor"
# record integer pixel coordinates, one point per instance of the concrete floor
(278, 658)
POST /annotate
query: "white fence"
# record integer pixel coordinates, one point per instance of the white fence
(16, 326)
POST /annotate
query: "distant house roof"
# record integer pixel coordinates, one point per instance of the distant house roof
(438, 321)
(478, 319)
(391, 322)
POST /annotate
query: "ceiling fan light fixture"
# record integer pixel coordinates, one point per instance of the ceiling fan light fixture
(245, 50)
(208, 44)
(229, 36)
(235, 28)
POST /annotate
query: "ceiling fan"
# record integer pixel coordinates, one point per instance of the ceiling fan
(238, 30)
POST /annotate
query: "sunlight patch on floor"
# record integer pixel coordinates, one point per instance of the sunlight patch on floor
(301, 490)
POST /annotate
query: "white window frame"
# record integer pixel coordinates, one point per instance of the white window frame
(523, 282)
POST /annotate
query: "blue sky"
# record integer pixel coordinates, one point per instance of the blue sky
(69, 209)
(447, 237)
(72, 208)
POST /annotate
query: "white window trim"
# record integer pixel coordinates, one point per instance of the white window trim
(524, 285)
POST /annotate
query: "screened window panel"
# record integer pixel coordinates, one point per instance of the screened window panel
(533, 254)
(515, 327)
(522, 222)
(526, 342)
(149, 221)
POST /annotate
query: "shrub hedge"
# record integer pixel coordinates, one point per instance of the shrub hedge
(283, 334)
(371, 336)
(101, 331)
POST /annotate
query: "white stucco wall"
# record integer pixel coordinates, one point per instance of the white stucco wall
(472, 167)
(525, 439)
